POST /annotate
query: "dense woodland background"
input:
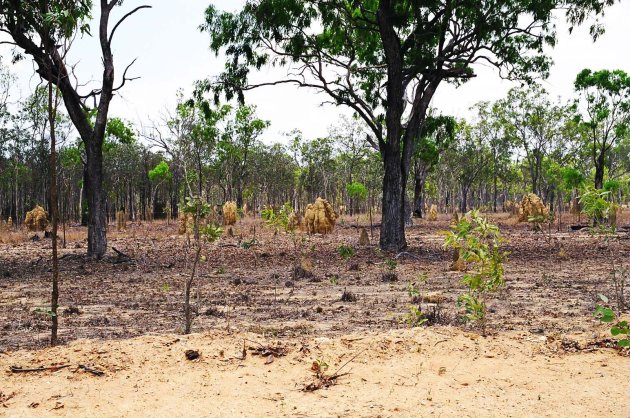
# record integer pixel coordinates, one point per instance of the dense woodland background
(526, 142)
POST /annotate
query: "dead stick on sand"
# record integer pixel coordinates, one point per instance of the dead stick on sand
(17, 369)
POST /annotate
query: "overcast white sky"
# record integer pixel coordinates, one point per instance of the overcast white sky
(172, 53)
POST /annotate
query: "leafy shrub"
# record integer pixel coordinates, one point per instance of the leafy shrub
(357, 191)
(346, 251)
(478, 242)
(279, 218)
(607, 315)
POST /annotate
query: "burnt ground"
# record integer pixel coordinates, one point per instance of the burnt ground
(551, 284)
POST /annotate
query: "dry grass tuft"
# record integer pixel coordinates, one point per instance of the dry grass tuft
(229, 213)
(320, 217)
(36, 219)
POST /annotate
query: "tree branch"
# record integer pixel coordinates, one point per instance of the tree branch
(111, 35)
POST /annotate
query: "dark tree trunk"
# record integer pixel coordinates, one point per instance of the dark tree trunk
(398, 147)
(84, 198)
(599, 170)
(464, 203)
(420, 176)
(418, 196)
(54, 212)
(239, 196)
(393, 223)
(495, 195)
(97, 221)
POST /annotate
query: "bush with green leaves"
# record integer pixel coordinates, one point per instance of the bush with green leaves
(279, 218)
(391, 264)
(201, 211)
(478, 243)
(607, 315)
(204, 231)
(415, 317)
(596, 204)
(346, 252)
(160, 172)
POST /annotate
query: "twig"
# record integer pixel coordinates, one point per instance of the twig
(336, 374)
(122, 257)
(91, 370)
(120, 253)
(18, 369)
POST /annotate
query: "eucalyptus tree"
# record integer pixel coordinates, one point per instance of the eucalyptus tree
(468, 158)
(275, 181)
(491, 126)
(437, 135)
(385, 59)
(192, 134)
(241, 134)
(619, 160)
(36, 29)
(318, 167)
(352, 151)
(7, 132)
(535, 124)
(605, 113)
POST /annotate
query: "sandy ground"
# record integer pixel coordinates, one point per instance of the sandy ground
(440, 371)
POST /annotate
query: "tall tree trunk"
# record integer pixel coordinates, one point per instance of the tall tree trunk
(599, 170)
(420, 173)
(54, 212)
(464, 203)
(418, 195)
(495, 194)
(399, 146)
(393, 223)
(97, 214)
(239, 194)
(83, 200)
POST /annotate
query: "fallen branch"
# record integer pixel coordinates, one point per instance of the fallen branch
(122, 257)
(18, 369)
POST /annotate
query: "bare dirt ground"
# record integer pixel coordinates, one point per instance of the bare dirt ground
(546, 354)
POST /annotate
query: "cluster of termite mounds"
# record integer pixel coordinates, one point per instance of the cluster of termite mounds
(6, 224)
(35, 220)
